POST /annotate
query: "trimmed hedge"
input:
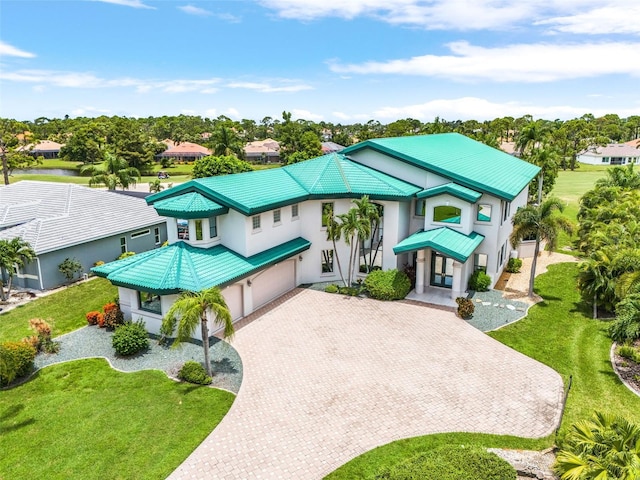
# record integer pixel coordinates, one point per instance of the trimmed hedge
(452, 462)
(387, 284)
(130, 338)
(514, 265)
(16, 360)
(194, 372)
(479, 281)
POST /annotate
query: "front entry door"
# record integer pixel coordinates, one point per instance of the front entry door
(441, 270)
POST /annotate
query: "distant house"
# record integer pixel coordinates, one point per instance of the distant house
(61, 221)
(262, 151)
(331, 147)
(611, 154)
(185, 152)
(510, 148)
(45, 148)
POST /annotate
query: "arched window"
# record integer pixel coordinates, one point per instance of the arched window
(447, 214)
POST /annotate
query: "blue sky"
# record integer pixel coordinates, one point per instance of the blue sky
(341, 61)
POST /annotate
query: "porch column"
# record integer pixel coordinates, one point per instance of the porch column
(456, 288)
(420, 272)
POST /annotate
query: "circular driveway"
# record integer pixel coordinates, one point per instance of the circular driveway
(328, 377)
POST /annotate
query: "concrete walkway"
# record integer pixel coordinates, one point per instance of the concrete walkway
(328, 377)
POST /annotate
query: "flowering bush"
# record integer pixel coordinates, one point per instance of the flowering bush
(42, 341)
(93, 317)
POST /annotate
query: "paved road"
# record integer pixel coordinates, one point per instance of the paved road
(328, 377)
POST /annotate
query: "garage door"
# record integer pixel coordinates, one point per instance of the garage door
(233, 296)
(273, 282)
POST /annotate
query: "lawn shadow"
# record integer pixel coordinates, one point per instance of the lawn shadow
(223, 366)
(6, 416)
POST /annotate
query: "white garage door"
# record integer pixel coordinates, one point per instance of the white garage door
(273, 282)
(233, 296)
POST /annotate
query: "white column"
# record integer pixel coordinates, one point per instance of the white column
(172, 230)
(420, 272)
(456, 289)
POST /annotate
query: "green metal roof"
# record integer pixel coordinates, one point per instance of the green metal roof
(328, 176)
(189, 205)
(180, 267)
(453, 189)
(445, 240)
(459, 158)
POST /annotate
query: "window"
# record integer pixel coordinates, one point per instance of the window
(605, 159)
(480, 261)
(199, 230)
(420, 207)
(327, 261)
(123, 244)
(213, 227)
(256, 222)
(156, 233)
(141, 233)
(183, 229)
(276, 216)
(447, 214)
(484, 213)
(294, 211)
(327, 213)
(150, 302)
(506, 207)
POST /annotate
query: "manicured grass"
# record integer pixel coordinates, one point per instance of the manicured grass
(58, 163)
(84, 420)
(65, 310)
(560, 333)
(557, 332)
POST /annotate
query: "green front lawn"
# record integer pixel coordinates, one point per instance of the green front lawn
(84, 420)
(557, 332)
(64, 310)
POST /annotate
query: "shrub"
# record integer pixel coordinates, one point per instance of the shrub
(479, 281)
(452, 462)
(130, 338)
(388, 284)
(331, 289)
(351, 291)
(112, 315)
(514, 265)
(629, 352)
(626, 326)
(465, 307)
(126, 255)
(92, 317)
(98, 263)
(194, 372)
(16, 360)
(43, 335)
(70, 267)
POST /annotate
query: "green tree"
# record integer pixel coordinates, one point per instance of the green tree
(114, 172)
(626, 178)
(334, 233)
(155, 186)
(211, 166)
(193, 308)
(605, 447)
(539, 221)
(308, 147)
(10, 140)
(372, 213)
(354, 228)
(225, 141)
(548, 160)
(70, 267)
(13, 253)
(85, 145)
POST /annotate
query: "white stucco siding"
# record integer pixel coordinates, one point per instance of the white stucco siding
(233, 232)
(271, 233)
(466, 217)
(591, 159)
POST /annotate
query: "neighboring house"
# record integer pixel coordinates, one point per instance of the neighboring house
(331, 147)
(510, 148)
(611, 154)
(184, 152)
(45, 148)
(262, 151)
(446, 203)
(61, 221)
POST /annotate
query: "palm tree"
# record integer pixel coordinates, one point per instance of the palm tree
(114, 172)
(623, 177)
(354, 228)
(540, 222)
(334, 233)
(225, 141)
(191, 309)
(605, 447)
(370, 212)
(13, 253)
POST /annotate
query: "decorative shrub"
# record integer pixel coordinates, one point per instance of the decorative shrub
(70, 267)
(629, 352)
(194, 372)
(98, 263)
(351, 291)
(43, 335)
(16, 360)
(388, 284)
(331, 289)
(410, 270)
(465, 307)
(479, 281)
(112, 315)
(514, 265)
(92, 317)
(452, 462)
(126, 255)
(626, 326)
(130, 338)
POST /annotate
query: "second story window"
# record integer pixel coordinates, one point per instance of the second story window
(199, 235)
(327, 213)
(420, 207)
(276, 216)
(484, 213)
(294, 211)
(255, 221)
(446, 214)
(213, 227)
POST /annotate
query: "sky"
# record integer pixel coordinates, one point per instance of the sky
(340, 61)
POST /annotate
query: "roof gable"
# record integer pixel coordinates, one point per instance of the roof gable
(458, 191)
(443, 239)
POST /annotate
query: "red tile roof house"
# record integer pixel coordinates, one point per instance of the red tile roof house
(446, 203)
(262, 151)
(185, 152)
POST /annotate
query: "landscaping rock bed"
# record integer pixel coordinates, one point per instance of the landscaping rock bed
(493, 311)
(627, 370)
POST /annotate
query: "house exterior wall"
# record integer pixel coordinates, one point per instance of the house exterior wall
(591, 158)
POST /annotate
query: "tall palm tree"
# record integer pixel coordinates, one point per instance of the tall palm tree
(369, 212)
(225, 141)
(624, 177)
(540, 222)
(354, 228)
(114, 172)
(334, 233)
(191, 309)
(13, 253)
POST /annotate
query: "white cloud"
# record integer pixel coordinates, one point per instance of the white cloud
(211, 113)
(7, 50)
(613, 18)
(82, 111)
(127, 3)
(300, 114)
(186, 111)
(191, 10)
(468, 108)
(513, 63)
(268, 88)
(232, 113)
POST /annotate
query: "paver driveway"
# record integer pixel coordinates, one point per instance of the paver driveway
(328, 377)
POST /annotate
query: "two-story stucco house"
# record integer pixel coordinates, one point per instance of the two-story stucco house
(446, 204)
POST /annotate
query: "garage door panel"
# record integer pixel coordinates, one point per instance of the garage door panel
(233, 297)
(273, 282)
